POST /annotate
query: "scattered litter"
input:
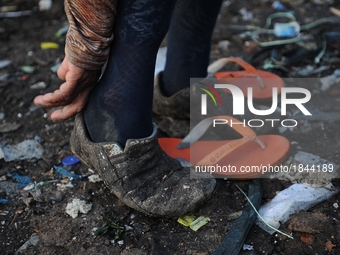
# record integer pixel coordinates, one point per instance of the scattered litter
(70, 160)
(277, 5)
(194, 224)
(330, 80)
(34, 240)
(4, 63)
(55, 68)
(293, 199)
(63, 187)
(22, 181)
(45, 5)
(76, 206)
(186, 220)
(2, 115)
(290, 29)
(128, 228)
(67, 174)
(30, 186)
(336, 205)
(330, 246)
(27, 149)
(39, 85)
(4, 213)
(49, 45)
(9, 127)
(120, 242)
(307, 238)
(224, 45)
(246, 15)
(27, 69)
(247, 247)
(3, 201)
(94, 178)
(308, 70)
(15, 14)
(3, 178)
(61, 31)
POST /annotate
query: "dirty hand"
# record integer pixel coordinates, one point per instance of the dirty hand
(72, 94)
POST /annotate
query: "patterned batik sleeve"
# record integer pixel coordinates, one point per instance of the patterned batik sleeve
(90, 33)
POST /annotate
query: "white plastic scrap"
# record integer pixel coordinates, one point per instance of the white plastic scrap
(95, 178)
(45, 5)
(4, 63)
(248, 247)
(27, 149)
(77, 206)
(296, 198)
(330, 80)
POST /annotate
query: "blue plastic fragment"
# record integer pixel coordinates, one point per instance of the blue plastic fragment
(22, 181)
(3, 201)
(64, 172)
(70, 160)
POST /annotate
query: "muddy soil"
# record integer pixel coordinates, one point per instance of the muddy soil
(123, 230)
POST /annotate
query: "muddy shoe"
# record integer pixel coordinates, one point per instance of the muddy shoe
(142, 175)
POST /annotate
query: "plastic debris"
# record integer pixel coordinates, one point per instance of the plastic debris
(39, 85)
(77, 206)
(277, 5)
(55, 68)
(15, 14)
(27, 69)
(29, 186)
(4, 77)
(49, 45)
(67, 174)
(330, 80)
(3, 201)
(291, 200)
(34, 240)
(70, 160)
(4, 63)
(290, 29)
(27, 149)
(246, 15)
(61, 31)
(194, 224)
(2, 115)
(186, 220)
(224, 45)
(199, 222)
(94, 178)
(247, 247)
(9, 127)
(45, 5)
(22, 181)
(336, 205)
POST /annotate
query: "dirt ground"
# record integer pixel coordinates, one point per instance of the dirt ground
(123, 230)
